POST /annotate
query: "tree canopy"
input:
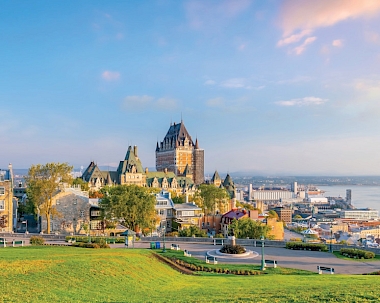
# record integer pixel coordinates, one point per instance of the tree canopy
(42, 184)
(131, 204)
(248, 228)
(211, 198)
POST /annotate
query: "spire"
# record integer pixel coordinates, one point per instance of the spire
(157, 148)
(196, 144)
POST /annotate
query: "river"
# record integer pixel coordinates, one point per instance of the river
(362, 196)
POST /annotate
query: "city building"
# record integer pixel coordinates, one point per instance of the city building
(284, 214)
(130, 171)
(179, 154)
(7, 203)
(359, 214)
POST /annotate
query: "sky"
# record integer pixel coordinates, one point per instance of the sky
(268, 87)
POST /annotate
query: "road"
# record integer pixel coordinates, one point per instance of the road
(306, 260)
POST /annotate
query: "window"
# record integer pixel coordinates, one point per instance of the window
(162, 212)
(2, 190)
(169, 212)
(82, 213)
(2, 204)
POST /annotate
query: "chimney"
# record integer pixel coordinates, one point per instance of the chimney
(146, 170)
(135, 150)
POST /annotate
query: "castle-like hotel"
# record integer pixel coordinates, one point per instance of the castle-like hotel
(179, 165)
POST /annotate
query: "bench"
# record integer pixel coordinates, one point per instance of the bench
(175, 247)
(4, 242)
(274, 262)
(17, 242)
(218, 241)
(211, 259)
(323, 268)
(186, 253)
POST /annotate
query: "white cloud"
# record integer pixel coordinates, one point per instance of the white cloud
(306, 101)
(137, 101)
(293, 38)
(300, 49)
(166, 103)
(298, 79)
(337, 43)
(210, 82)
(234, 83)
(110, 75)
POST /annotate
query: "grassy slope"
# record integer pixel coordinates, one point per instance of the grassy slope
(65, 274)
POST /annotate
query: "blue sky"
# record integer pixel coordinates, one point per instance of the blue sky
(267, 87)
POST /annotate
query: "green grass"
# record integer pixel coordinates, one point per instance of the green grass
(67, 274)
(338, 255)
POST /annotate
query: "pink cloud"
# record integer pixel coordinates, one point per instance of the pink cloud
(110, 76)
(309, 15)
(337, 43)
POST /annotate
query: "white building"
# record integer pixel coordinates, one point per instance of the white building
(359, 214)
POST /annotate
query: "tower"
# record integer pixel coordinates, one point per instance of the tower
(178, 153)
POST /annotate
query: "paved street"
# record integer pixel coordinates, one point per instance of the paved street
(307, 260)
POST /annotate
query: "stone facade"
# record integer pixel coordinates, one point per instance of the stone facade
(6, 200)
(179, 154)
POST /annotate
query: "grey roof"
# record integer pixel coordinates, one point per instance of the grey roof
(215, 176)
(131, 161)
(176, 136)
(186, 206)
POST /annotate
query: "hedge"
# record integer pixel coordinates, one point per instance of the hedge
(357, 253)
(306, 246)
(90, 245)
(96, 239)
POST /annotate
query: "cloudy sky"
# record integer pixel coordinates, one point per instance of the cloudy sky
(267, 87)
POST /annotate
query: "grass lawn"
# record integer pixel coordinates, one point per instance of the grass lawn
(68, 274)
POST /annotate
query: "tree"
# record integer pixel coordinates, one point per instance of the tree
(42, 183)
(83, 184)
(131, 204)
(192, 231)
(272, 214)
(248, 228)
(211, 198)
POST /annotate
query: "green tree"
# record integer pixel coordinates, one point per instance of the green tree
(42, 184)
(212, 197)
(192, 231)
(248, 228)
(83, 184)
(272, 215)
(132, 204)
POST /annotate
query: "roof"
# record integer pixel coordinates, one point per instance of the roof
(186, 206)
(235, 214)
(215, 177)
(130, 164)
(176, 136)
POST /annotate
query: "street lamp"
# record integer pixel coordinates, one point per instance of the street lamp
(164, 248)
(262, 253)
(331, 233)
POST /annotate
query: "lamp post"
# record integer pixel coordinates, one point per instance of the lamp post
(331, 233)
(262, 253)
(164, 247)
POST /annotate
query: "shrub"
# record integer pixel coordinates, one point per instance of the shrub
(357, 253)
(306, 246)
(232, 249)
(37, 240)
(296, 239)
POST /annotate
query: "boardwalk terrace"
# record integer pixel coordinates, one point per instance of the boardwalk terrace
(179, 154)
